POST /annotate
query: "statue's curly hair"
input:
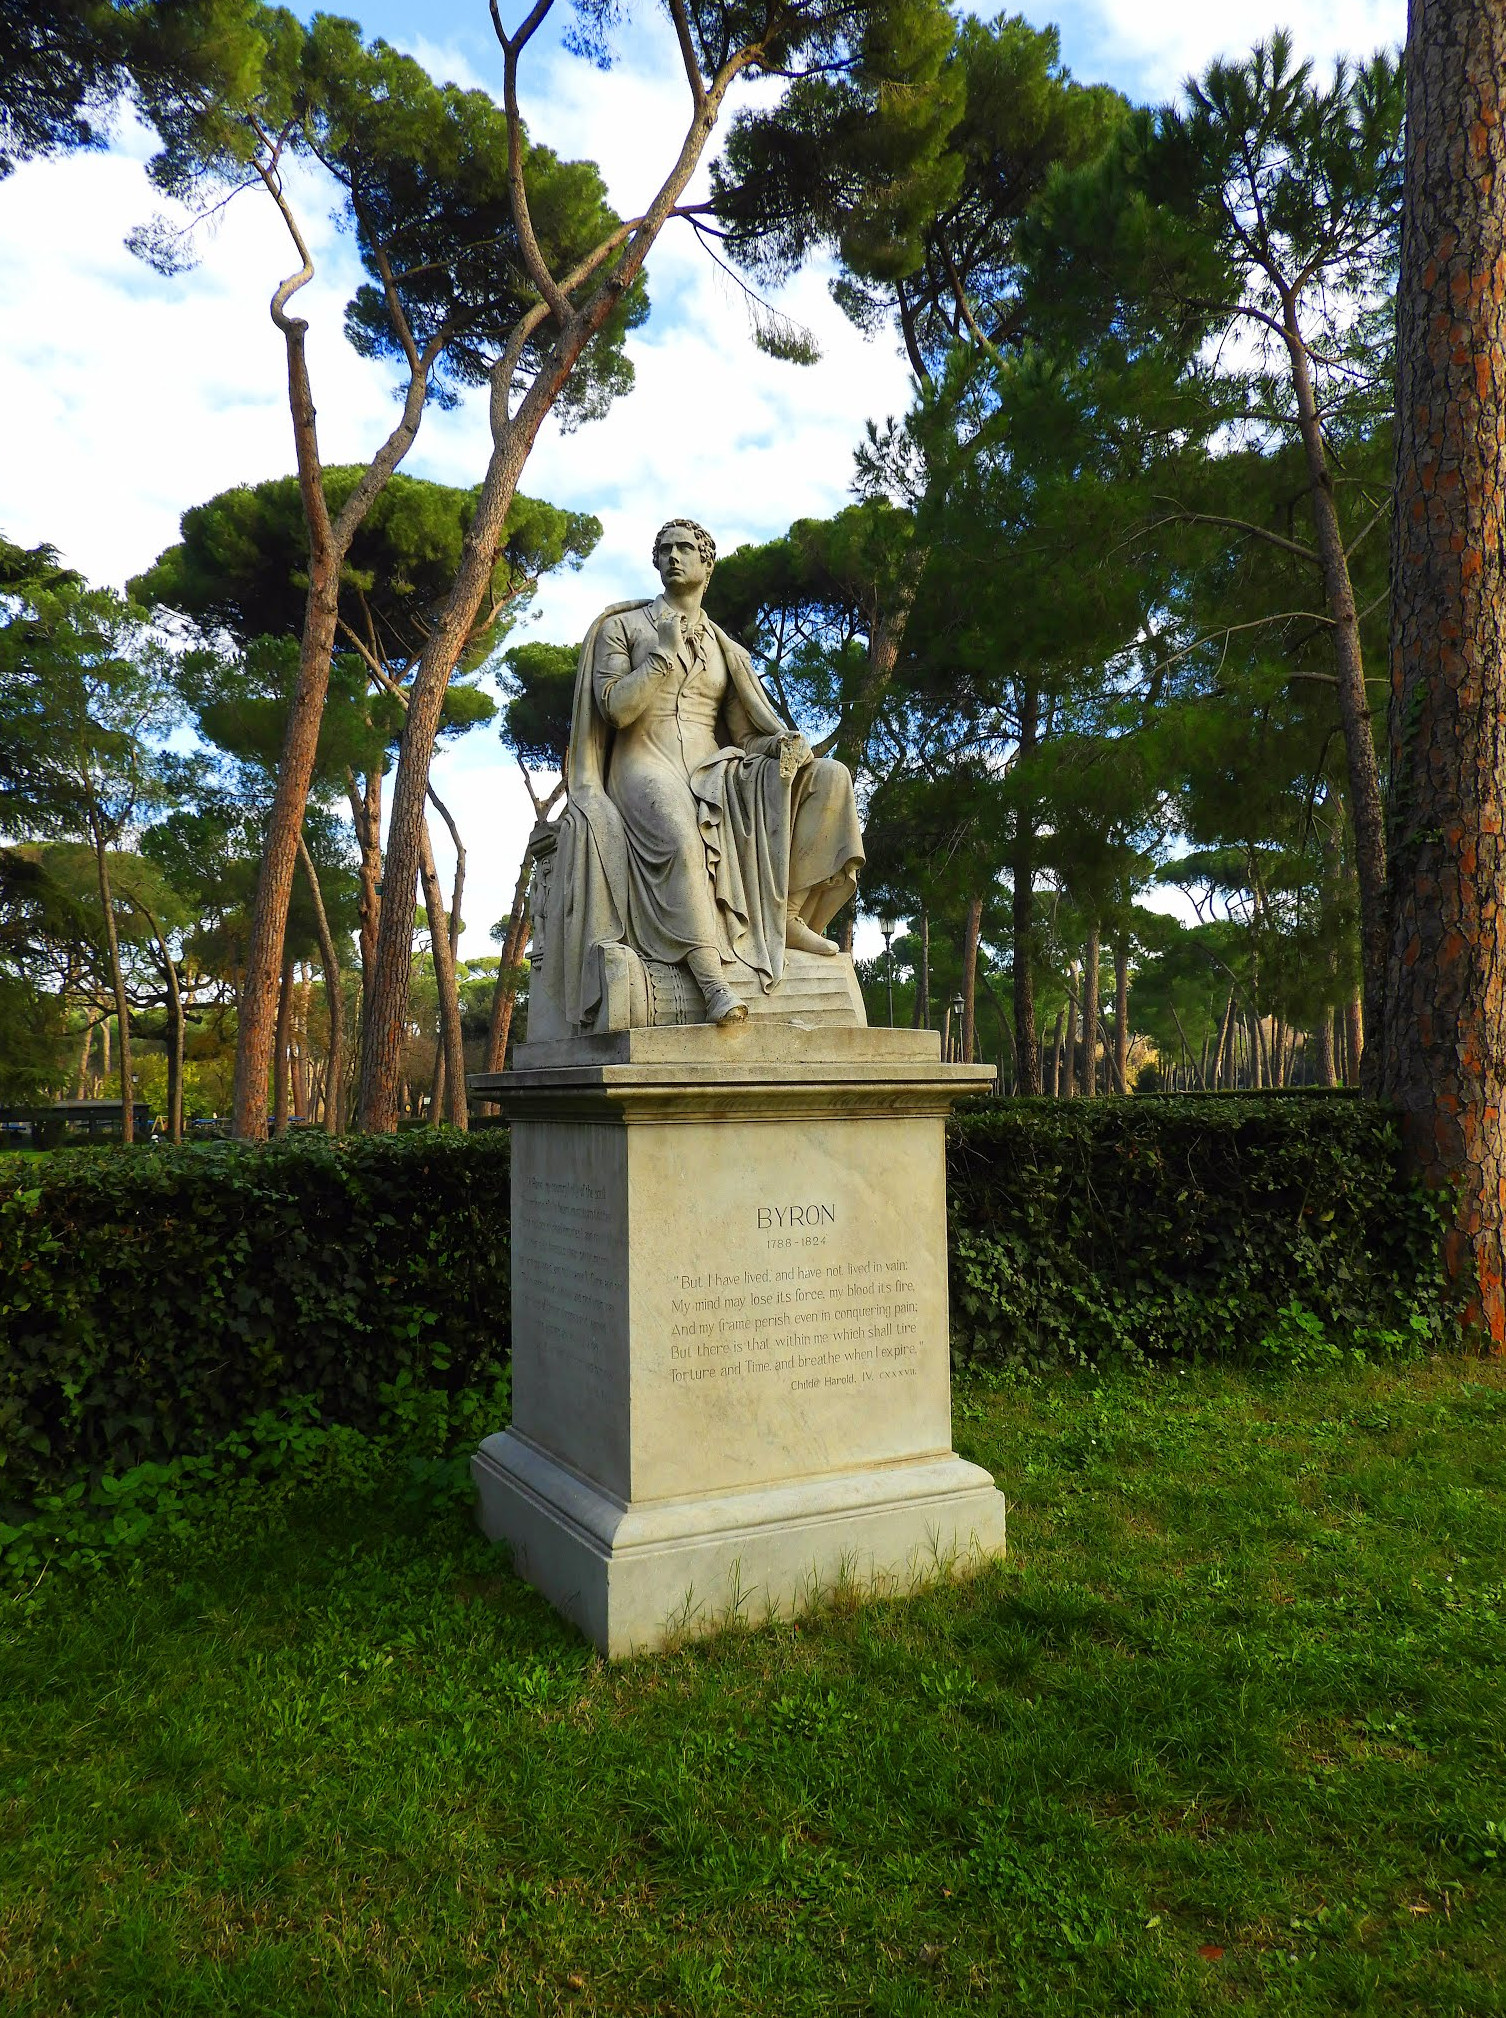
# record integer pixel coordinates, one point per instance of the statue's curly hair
(705, 543)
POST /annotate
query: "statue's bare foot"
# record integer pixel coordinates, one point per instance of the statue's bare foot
(722, 1006)
(799, 938)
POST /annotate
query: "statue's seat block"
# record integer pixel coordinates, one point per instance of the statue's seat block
(731, 1376)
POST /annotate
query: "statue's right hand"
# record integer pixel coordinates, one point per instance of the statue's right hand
(669, 632)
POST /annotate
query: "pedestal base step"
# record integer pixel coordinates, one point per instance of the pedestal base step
(635, 1577)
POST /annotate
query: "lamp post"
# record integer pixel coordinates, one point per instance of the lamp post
(887, 926)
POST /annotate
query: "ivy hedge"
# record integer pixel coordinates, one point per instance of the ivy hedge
(1193, 1227)
(152, 1302)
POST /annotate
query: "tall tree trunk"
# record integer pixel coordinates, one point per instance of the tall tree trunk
(450, 1036)
(302, 991)
(1121, 1016)
(104, 1054)
(1324, 1060)
(176, 1021)
(1069, 1045)
(440, 1101)
(970, 935)
(505, 993)
(1026, 1041)
(513, 435)
(365, 798)
(117, 982)
(1090, 1015)
(335, 1066)
(1354, 1041)
(260, 1006)
(1443, 1041)
(328, 544)
(283, 1038)
(83, 1059)
(1054, 1057)
(1354, 707)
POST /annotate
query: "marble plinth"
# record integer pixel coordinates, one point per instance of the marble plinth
(731, 1382)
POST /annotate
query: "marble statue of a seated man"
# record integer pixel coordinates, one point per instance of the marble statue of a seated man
(699, 828)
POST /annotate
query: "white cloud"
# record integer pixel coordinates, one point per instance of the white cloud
(1148, 51)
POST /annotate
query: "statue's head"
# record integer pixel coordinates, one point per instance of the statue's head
(684, 553)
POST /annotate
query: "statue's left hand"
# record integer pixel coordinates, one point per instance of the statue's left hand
(794, 754)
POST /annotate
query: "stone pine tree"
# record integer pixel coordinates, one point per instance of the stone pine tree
(67, 65)
(424, 176)
(1445, 1029)
(241, 566)
(1264, 205)
(575, 299)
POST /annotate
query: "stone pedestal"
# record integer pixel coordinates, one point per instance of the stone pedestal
(731, 1385)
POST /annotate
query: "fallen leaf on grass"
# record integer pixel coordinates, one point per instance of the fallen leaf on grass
(576, 1982)
(1211, 1953)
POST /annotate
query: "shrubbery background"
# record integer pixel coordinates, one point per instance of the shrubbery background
(1252, 1226)
(176, 1317)
(155, 1301)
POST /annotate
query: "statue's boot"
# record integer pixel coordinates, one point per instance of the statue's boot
(722, 1006)
(799, 938)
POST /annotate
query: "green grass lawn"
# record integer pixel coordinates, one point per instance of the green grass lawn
(1227, 1733)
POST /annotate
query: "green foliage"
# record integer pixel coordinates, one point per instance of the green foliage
(64, 64)
(541, 693)
(421, 169)
(1277, 1230)
(914, 169)
(243, 561)
(155, 1302)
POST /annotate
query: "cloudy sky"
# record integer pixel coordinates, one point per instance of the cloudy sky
(131, 398)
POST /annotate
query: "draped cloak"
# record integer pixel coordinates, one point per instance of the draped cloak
(612, 882)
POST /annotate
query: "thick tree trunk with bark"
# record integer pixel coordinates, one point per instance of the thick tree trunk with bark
(365, 798)
(1354, 1041)
(921, 1017)
(1026, 1041)
(335, 1066)
(176, 1022)
(83, 1061)
(1090, 1016)
(1121, 1016)
(444, 1080)
(451, 1040)
(117, 982)
(1443, 1042)
(259, 997)
(1354, 709)
(970, 935)
(1324, 1067)
(283, 1037)
(505, 993)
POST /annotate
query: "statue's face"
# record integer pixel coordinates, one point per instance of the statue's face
(679, 560)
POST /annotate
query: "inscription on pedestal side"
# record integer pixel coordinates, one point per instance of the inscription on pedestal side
(567, 1280)
(797, 1326)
